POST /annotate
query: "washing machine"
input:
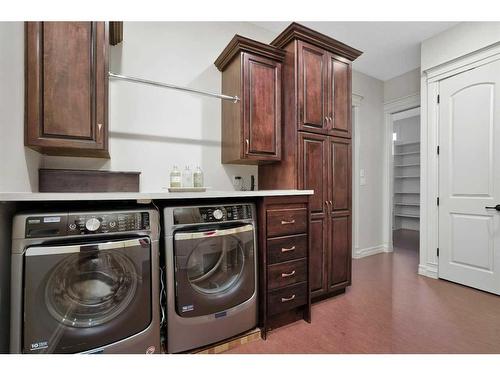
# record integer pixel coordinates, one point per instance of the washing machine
(211, 274)
(85, 282)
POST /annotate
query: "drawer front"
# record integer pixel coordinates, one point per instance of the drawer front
(287, 298)
(286, 248)
(286, 221)
(287, 273)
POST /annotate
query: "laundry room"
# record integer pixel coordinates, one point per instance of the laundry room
(174, 182)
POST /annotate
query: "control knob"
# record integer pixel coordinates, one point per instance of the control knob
(92, 224)
(218, 214)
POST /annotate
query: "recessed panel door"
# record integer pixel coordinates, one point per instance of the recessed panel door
(469, 178)
(262, 101)
(312, 89)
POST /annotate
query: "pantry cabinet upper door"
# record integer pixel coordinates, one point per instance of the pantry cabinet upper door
(312, 88)
(339, 92)
(66, 88)
(262, 113)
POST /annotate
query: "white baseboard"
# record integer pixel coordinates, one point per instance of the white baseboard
(428, 270)
(367, 251)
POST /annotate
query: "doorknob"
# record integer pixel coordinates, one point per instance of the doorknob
(497, 207)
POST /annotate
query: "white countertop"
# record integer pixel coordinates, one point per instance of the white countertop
(146, 196)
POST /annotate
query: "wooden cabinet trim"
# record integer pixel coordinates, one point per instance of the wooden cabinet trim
(296, 31)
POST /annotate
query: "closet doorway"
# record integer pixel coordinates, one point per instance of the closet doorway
(406, 180)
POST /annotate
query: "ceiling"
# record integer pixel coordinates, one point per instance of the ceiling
(389, 48)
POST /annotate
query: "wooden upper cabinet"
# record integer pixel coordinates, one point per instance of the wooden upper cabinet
(67, 88)
(251, 128)
(340, 97)
(312, 88)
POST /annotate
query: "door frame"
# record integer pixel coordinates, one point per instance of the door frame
(356, 140)
(391, 108)
(429, 139)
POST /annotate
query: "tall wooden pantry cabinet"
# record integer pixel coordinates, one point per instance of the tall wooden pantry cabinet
(316, 148)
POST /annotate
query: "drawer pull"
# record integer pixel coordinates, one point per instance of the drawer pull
(286, 249)
(288, 299)
(283, 222)
(288, 274)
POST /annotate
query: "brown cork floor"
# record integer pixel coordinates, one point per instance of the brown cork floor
(390, 309)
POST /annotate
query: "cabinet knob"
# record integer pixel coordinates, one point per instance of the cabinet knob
(247, 145)
(284, 222)
(99, 127)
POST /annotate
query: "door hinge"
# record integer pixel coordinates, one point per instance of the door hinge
(438, 201)
(438, 99)
(438, 150)
(437, 252)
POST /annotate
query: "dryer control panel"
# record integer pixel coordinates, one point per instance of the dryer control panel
(212, 214)
(85, 223)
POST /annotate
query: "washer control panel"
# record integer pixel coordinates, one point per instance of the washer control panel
(212, 214)
(86, 223)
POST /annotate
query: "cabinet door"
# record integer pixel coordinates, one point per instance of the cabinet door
(313, 174)
(66, 88)
(312, 88)
(339, 267)
(262, 113)
(339, 97)
(339, 164)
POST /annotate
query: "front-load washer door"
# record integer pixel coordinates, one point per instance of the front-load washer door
(215, 269)
(82, 297)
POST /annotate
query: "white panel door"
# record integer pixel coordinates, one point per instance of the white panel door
(469, 178)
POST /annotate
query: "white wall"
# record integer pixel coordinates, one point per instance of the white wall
(458, 41)
(150, 129)
(402, 86)
(18, 166)
(371, 156)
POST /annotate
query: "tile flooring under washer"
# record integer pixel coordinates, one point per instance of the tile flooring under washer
(390, 309)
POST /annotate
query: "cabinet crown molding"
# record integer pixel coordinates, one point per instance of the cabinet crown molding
(297, 31)
(241, 44)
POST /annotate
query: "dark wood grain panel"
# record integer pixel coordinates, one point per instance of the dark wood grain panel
(263, 106)
(312, 79)
(313, 172)
(85, 181)
(287, 273)
(67, 88)
(68, 60)
(282, 249)
(341, 113)
(287, 298)
(340, 256)
(318, 255)
(283, 175)
(286, 221)
(251, 128)
(340, 164)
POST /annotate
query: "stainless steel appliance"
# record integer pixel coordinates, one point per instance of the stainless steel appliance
(211, 276)
(85, 282)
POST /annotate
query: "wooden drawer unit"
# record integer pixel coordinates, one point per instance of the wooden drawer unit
(285, 299)
(284, 269)
(286, 273)
(286, 221)
(282, 249)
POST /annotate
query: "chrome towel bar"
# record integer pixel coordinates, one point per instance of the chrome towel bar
(234, 99)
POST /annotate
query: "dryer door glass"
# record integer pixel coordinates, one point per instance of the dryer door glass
(216, 264)
(215, 269)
